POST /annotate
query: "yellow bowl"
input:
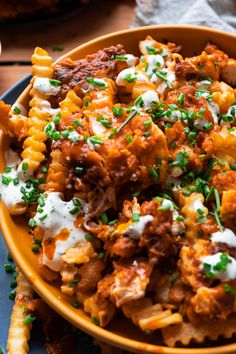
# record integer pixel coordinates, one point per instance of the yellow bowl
(120, 333)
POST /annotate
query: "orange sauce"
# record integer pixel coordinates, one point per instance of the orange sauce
(49, 245)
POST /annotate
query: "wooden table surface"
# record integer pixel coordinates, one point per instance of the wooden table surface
(102, 17)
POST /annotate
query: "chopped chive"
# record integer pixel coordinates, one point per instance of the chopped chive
(29, 319)
(232, 166)
(25, 166)
(162, 77)
(78, 170)
(95, 140)
(38, 241)
(135, 195)
(77, 123)
(147, 123)
(76, 304)
(126, 121)
(209, 194)
(57, 48)
(207, 126)
(16, 181)
(135, 217)
(96, 321)
(54, 82)
(202, 219)
(174, 145)
(6, 180)
(101, 255)
(74, 210)
(151, 50)
(128, 138)
(179, 218)
(16, 110)
(43, 217)
(86, 103)
(165, 207)
(32, 223)
(229, 289)
(180, 98)
(44, 169)
(113, 222)
(97, 82)
(9, 257)
(186, 192)
(12, 294)
(89, 237)
(199, 233)
(9, 268)
(200, 211)
(104, 218)
(7, 169)
(119, 57)
(216, 215)
(118, 111)
(153, 172)
(35, 248)
(73, 283)
(13, 284)
(217, 198)
(56, 120)
(146, 134)
(182, 233)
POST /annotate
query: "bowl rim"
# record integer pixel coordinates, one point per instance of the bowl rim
(39, 284)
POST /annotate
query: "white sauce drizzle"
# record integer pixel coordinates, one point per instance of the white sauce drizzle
(130, 59)
(155, 62)
(43, 85)
(170, 76)
(136, 230)
(203, 85)
(46, 107)
(176, 226)
(11, 194)
(197, 204)
(96, 127)
(21, 108)
(137, 75)
(59, 218)
(227, 236)
(228, 274)
(148, 99)
(214, 108)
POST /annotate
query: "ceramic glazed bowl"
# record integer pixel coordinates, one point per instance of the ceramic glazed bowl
(120, 332)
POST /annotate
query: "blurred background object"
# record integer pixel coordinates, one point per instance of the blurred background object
(74, 23)
(19, 10)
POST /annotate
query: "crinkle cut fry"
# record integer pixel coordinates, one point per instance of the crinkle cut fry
(186, 332)
(12, 124)
(57, 173)
(150, 316)
(58, 170)
(19, 333)
(34, 145)
(71, 104)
